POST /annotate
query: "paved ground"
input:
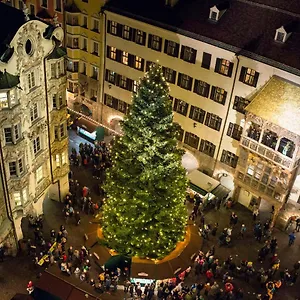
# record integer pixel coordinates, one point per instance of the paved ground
(16, 272)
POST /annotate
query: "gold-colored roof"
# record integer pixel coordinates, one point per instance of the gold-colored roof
(278, 102)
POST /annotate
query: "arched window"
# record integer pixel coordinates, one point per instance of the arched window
(254, 131)
(286, 147)
(270, 139)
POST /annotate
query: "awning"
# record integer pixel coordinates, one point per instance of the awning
(86, 124)
(279, 103)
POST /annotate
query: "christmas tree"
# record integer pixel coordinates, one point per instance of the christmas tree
(144, 214)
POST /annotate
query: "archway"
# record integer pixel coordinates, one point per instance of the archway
(115, 123)
(227, 181)
(189, 162)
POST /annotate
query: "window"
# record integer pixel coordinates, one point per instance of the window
(95, 72)
(170, 75)
(224, 67)
(36, 145)
(58, 5)
(8, 135)
(110, 76)
(122, 82)
(16, 132)
(207, 148)
(62, 130)
(44, 3)
(138, 63)
(61, 101)
(154, 42)
(280, 37)
(140, 37)
(122, 106)
(17, 198)
(93, 94)
(63, 158)
(135, 86)
(180, 133)
(20, 166)
(218, 95)
(72, 20)
(39, 174)
(148, 65)
(229, 158)
(206, 59)
(249, 76)
(185, 81)
(191, 140)
(234, 131)
(201, 88)
(213, 121)
(112, 27)
(34, 112)
(126, 32)
(83, 68)
(12, 168)
(84, 21)
(72, 66)
(125, 58)
(54, 103)
(112, 52)
(21, 4)
(84, 44)
(95, 48)
(4, 100)
(57, 160)
(53, 70)
(31, 80)
(240, 104)
(250, 170)
(32, 9)
(95, 25)
(180, 107)
(188, 54)
(109, 100)
(24, 195)
(197, 114)
(171, 48)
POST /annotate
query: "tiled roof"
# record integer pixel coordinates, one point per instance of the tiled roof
(278, 102)
(245, 25)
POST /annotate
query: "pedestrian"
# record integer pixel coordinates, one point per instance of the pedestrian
(242, 231)
(292, 238)
(255, 213)
(298, 224)
(207, 288)
(77, 218)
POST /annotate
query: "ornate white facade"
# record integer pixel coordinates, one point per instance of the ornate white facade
(33, 123)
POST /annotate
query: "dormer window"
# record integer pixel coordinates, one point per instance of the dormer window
(217, 11)
(281, 35)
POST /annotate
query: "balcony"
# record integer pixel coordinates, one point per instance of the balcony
(73, 28)
(268, 153)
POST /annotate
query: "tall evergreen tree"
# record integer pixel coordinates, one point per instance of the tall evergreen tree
(144, 214)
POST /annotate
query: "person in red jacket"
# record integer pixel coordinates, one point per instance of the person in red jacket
(209, 275)
(228, 287)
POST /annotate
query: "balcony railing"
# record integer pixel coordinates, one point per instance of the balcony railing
(269, 153)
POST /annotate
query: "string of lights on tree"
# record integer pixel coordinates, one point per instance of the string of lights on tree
(144, 214)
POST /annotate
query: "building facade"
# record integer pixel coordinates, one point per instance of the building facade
(214, 66)
(33, 118)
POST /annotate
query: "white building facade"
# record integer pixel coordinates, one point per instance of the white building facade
(212, 76)
(33, 131)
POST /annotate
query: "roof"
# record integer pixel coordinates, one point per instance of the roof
(11, 19)
(202, 180)
(58, 52)
(223, 5)
(246, 25)
(44, 14)
(278, 102)
(8, 80)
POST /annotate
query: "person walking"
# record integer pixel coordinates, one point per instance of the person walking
(292, 238)
(242, 231)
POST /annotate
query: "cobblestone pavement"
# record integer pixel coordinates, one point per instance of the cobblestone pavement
(16, 272)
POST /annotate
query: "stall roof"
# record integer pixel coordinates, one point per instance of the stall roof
(202, 181)
(86, 124)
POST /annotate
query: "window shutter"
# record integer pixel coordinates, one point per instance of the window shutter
(230, 127)
(173, 77)
(166, 46)
(119, 30)
(201, 148)
(160, 44)
(186, 108)
(242, 75)
(177, 50)
(131, 59)
(115, 103)
(207, 119)
(179, 79)
(144, 38)
(196, 86)
(255, 79)
(131, 34)
(194, 56)
(182, 52)
(224, 98)
(129, 84)
(190, 83)
(150, 40)
(175, 104)
(108, 26)
(191, 112)
(207, 88)
(212, 93)
(119, 55)
(108, 48)
(230, 69)
(106, 74)
(142, 65)
(118, 76)
(219, 123)
(218, 65)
